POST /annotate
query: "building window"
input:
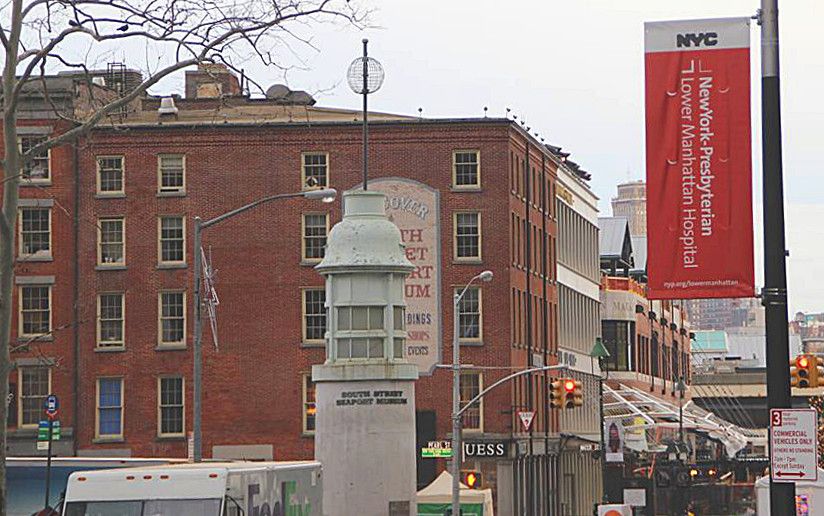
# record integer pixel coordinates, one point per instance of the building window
(314, 315)
(309, 407)
(399, 322)
(618, 338)
(111, 242)
(468, 236)
(171, 170)
(315, 228)
(109, 407)
(471, 385)
(110, 320)
(469, 314)
(314, 170)
(170, 409)
(365, 323)
(35, 311)
(466, 170)
(110, 174)
(172, 240)
(35, 384)
(172, 318)
(35, 232)
(37, 169)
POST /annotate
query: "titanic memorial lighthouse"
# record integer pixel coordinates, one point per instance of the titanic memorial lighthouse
(365, 391)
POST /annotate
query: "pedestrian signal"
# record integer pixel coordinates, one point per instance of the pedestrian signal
(471, 479)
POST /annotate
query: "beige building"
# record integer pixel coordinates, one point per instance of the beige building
(631, 203)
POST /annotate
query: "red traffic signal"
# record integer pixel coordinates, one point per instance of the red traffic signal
(569, 385)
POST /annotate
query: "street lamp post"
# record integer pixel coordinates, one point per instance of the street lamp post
(457, 451)
(325, 195)
(600, 353)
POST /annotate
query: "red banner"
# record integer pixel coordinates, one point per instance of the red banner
(699, 170)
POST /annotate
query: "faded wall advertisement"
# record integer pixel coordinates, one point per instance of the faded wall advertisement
(414, 208)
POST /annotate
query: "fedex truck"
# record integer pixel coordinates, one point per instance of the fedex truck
(202, 489)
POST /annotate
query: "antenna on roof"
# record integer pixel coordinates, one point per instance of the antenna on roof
(485, 110)
(420, 112)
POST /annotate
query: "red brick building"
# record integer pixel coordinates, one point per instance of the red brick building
(121, 275)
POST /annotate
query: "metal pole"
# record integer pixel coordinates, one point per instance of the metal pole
(603, 453)
(774, 294)
(48, 464)
(457, 455)
(681, 417)
(365, 116)
(197, 372)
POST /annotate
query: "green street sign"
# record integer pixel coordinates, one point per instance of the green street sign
(436, 453)
(43, 431)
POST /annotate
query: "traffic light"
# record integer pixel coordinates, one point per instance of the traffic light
(555, 393)
(577, 395)
(807, 371)
(471, 479)
(569, 393)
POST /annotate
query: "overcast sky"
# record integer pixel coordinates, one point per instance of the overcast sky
(574, 70)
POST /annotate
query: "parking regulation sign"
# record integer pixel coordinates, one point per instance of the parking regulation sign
(793, 445)
(51, 406)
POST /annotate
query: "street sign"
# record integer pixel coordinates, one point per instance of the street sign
(52, 404)
(793, 445)
(43, 430)
(42, 445)
(437, 450)
(526, 418)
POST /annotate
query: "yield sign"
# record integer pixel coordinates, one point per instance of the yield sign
(526, 419)
(793, 445)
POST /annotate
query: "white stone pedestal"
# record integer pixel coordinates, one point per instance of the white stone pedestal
(365, 437)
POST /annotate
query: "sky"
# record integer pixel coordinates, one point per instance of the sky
(573, 69)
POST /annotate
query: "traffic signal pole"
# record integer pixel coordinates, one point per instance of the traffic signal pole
(774, 294)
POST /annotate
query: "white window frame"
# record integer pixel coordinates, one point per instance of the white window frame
(39, 254)
(303, 185)
(160, 379)
(165, 190)
(111, 344)
(480, 291)
(455, 184)
(20, 332)
(305, 404)
(160, 260)
(303, 315)
(97, 434)
(480, 427)
(39, 180)
(455, 237)
(20, 394)
(160, 342)
(112, 193)
(100, 262)
(303, 236)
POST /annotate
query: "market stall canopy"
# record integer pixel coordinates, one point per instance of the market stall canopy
(435, 498)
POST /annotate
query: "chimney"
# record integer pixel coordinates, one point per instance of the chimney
(211, 80)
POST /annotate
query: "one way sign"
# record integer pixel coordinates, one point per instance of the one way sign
(794, 445)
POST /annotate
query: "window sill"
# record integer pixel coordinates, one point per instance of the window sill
(35, 258)
(471, 343)
(166, 438)
(313, 344)
(308, 435)
(110, 268)
(467, 261)
(109, 349)
(35, 183)
(113, 195)
(309, 263)
(467, 189)
(32, 339)
(172, 265)
(108, 440)
(170, 347)
(171, 194)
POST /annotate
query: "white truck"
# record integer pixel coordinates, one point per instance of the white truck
(201, 489)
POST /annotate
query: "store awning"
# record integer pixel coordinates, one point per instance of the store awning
(644, 415)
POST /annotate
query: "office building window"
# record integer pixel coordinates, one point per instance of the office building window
(315, 228)
(111, 242)
(109, 175)
(309, 407)
(314, 170)
(35, 384)
(38, 168)
(172, 237)
(466, 169)
(109, 407)
(469, 314)
(35, 311)
(314, 315)
(110, 320)
(35, 232)
(172, 319)
(471, 385)
(171, 169)
(170, 409)
(468, 235)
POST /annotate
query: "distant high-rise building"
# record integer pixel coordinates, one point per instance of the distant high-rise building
(631, 203)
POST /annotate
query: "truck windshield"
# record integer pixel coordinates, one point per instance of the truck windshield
(208, 507)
